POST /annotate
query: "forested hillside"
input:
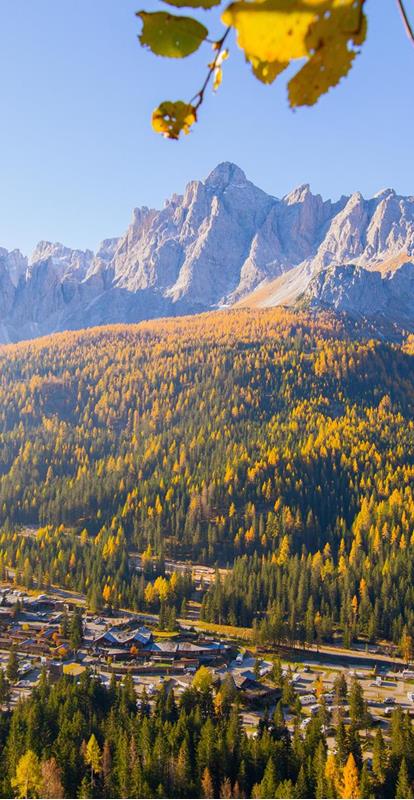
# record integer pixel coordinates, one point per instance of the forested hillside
(278, 439)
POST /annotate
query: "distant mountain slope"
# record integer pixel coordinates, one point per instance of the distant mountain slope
(362, 293)
(223, 242)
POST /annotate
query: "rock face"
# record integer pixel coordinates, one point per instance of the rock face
(367, 294)
(66, 262)
(224, 241)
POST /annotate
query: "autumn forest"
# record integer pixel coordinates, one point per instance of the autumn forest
(270, 440)
(275, 447)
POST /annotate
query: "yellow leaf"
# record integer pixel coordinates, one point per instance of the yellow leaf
(344, 19)
(273, 33)
(223, 56)
(267, 71)
(169, 35)
(193, 3)
(218, 77)
(273, 30)
(323, 70)
(218, 72)
(172, 118)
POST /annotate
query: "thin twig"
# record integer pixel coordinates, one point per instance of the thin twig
(219, 47)
(407, 25)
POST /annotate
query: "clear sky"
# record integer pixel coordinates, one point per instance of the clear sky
(77, 152)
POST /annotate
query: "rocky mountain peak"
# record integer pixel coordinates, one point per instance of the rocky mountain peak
(355, 199)
(107, 248)
(219, 241)
(224, 174)
(301, 194)
(15, 263)
(65, 260)
(140, 215)
(384, 193)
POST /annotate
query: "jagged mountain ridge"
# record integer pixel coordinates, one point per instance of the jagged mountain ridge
(223, 242)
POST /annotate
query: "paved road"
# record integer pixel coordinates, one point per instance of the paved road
(349, 659)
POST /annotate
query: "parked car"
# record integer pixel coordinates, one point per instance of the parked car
(308, 699)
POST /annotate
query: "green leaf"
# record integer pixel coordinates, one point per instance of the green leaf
(193, 3)
(169, 35)
(170, 119)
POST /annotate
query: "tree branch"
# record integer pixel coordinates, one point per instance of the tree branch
(407, 25)
(218, 47)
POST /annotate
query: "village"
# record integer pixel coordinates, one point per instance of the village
(115, 643)
(56, 634)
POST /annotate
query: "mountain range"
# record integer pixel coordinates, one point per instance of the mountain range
(223, 242)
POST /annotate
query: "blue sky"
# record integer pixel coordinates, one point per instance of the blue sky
(77, 152)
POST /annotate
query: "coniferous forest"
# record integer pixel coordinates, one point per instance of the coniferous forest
(275, 446)
(276, 441)
(85, 740)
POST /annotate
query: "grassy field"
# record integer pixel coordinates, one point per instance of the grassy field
(165, 634)
(230, 631)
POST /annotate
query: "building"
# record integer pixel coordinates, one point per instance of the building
(255, 693)
(126, 638)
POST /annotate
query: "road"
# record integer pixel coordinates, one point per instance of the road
(323, 654)
(349, 659)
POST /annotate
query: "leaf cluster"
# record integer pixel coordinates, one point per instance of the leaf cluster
(321, 36)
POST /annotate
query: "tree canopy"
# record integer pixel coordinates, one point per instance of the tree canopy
(278, 446)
